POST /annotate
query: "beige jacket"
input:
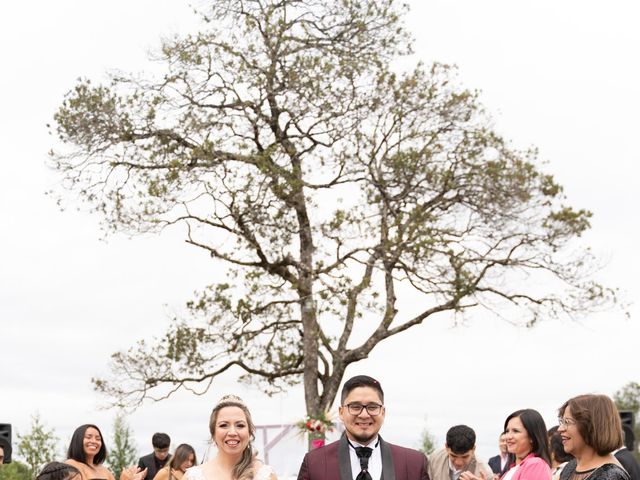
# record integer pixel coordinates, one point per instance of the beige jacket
(439, 466)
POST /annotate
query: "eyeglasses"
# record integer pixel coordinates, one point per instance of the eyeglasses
(373, 409)
(566, 422)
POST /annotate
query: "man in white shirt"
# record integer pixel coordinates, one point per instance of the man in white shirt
(500, 462)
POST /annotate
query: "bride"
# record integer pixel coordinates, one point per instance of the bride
(232, 431)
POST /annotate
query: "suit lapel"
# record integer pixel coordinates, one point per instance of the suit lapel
(388, 468)
(344, 460)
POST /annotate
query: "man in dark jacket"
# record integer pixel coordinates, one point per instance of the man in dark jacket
(160, 456)
(500, 463)
(628, 462)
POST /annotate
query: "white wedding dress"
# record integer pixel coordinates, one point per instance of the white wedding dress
(196, 473)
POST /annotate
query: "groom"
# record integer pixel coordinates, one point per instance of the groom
(361, 454)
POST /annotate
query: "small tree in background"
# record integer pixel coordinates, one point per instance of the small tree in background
(37, 447)
(427, 442)
(15, 471)
(123, 453)
(628, 398)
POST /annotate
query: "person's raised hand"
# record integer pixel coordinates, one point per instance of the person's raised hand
(133, 473)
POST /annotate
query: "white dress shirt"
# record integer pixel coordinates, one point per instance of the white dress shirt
(375, 460)
(504, 458)
(453, 473)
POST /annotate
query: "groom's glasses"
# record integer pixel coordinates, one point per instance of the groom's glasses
(373, 409)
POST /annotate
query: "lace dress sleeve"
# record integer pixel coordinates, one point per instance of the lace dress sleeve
(194, 473)
(264, 472)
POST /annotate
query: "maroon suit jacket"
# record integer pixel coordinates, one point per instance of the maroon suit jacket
(332, 462)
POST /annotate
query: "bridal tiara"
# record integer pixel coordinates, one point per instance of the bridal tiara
(231, 399)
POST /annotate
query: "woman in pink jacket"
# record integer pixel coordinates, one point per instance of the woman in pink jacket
(526, 436)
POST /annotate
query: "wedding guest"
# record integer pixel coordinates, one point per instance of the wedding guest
(590, 428)
(457, 456)
(628, 462)
(526, 436)
(183, 458)
(5, 451)
(624, 455)
(500, 462)
(559, 458)
(58, 471)
(87, 452)
(157, 459)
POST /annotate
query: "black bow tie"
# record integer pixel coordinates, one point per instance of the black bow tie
(363, 454)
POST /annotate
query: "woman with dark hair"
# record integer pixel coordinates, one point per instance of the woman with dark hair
(526, 436)
(559, 458)
(87, 452)
(590, 429)
(58, 471)
(232, 431)
(184, 457)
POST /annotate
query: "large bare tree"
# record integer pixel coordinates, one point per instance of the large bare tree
(328, 183)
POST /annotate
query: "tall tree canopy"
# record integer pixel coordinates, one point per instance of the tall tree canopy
(328, 183)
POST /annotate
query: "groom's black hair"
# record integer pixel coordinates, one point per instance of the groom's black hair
(361, 381)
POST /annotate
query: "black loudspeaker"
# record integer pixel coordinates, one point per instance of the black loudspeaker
(5, 441)
(628, 422)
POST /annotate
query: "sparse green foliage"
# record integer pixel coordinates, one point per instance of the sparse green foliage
(324, 181)
(427, 442)
(15, 471)
(122, 452)
(38, 446)
(628, 398)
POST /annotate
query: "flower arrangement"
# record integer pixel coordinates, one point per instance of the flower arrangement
(316, 425)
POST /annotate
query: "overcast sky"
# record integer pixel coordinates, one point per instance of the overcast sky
(563, 76)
